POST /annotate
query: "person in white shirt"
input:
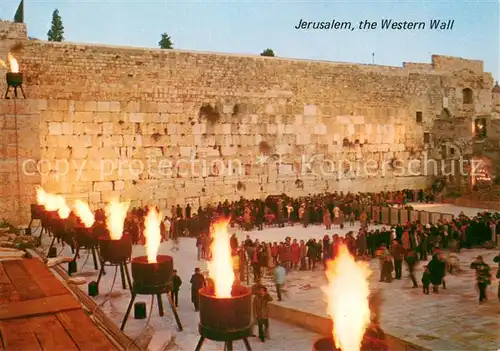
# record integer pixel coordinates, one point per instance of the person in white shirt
(279, 279)
(168, 225)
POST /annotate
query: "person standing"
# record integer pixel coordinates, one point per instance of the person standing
(168, 226)
(197, 282)
(381, 254)
(236, 263)
(483, 277)
(233, 241)
(176, 285)
(289, 209)
(255, 261)
(303, 256)
(436, 269)
(199, 246)
(255, 291)
(426, 280)
(327, 218)
(411, 261)
(398, 254)
(261, 312)
(279, 279)
(497, 260)
(387, 268)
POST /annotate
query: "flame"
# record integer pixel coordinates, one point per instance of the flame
(52, 202)
(3, 64)
(82, 210)
(152, 233)
(348, 299)
(14, 66)
(220, 266)
(115, 218)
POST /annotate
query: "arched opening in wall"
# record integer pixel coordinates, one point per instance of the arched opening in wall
(467, 96)
(445, 114)
(481, 172)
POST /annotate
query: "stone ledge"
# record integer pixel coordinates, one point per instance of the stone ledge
(323, 326)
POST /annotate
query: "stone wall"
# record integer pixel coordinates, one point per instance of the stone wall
(116, 149)
(115, 112)
(19, 143)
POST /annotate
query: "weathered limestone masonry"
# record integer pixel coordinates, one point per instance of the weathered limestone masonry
(110, 110)
(19, 143)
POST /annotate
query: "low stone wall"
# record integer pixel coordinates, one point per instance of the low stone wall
(323, 326)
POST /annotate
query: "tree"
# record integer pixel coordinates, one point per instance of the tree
(268, 52)
(166, 42)
(56, 31)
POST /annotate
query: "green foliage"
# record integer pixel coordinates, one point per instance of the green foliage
(268, 52)
(56, 32)
(4, 224)
(165, 42)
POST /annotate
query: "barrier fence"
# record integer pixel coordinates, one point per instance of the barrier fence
(393, 215)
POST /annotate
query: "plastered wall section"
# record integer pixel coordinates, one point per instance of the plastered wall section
(19, 148)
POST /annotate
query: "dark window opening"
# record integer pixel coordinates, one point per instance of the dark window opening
(467, 96)
(427, 138)
(452, 151)
(419, 117)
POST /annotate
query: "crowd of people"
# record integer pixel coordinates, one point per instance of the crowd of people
(404, 243)
(330, 209)
(393, 246)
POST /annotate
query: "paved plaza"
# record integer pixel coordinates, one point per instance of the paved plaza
(450, 320)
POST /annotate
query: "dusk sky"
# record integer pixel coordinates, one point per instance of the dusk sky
(249, 27)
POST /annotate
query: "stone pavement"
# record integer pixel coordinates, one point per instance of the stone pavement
(450, 320)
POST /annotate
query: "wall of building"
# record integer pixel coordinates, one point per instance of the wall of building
(19, 143)
(111, 110)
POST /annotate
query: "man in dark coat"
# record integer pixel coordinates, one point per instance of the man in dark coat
(398, 254)
(497, 260)
(197, 282)
(178, 211)
(176, 285)
(483, 277)
(436, 269)
(261, 312)
(233, 241)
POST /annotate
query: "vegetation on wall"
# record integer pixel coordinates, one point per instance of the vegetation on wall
(210, 113)
(166, 42)
(56, 31)
(265, 148)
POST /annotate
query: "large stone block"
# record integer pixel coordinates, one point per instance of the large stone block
(103, 186)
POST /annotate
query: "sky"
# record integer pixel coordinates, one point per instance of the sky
(249, 27)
